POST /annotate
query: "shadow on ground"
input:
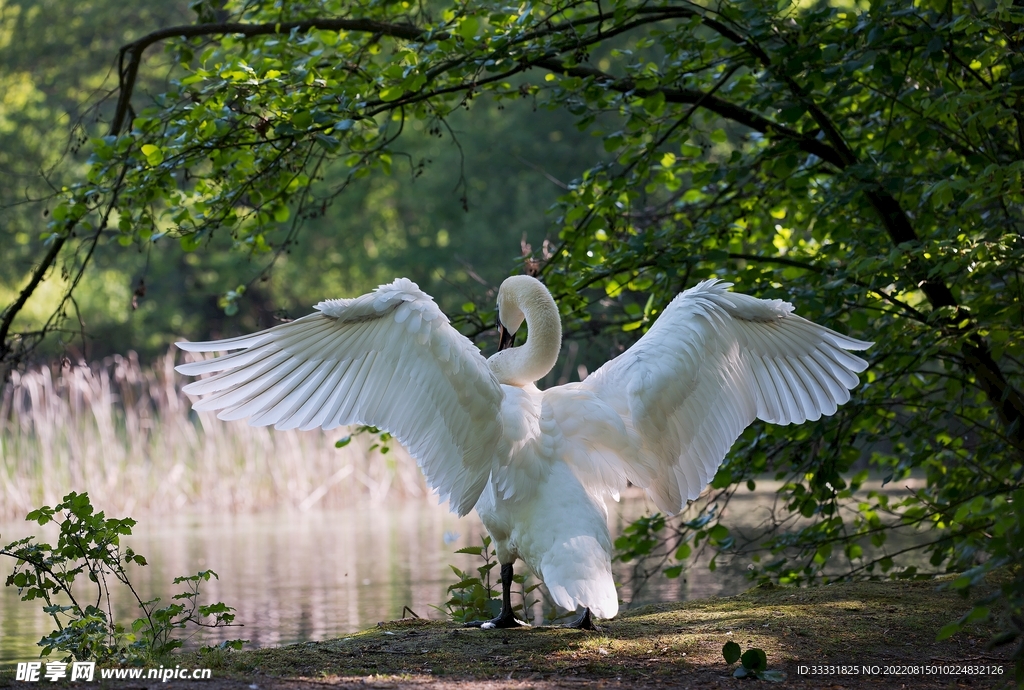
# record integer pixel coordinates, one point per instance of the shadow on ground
(882, 633)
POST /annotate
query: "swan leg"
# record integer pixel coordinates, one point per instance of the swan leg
(584, 622)
(505, 619)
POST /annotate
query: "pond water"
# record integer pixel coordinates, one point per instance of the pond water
(307, 576)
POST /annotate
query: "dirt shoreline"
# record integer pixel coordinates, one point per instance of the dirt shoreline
(888, 625)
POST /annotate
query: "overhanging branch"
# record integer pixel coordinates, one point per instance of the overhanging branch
(833, 149)
(37, 276)
(726, 109)
(134, 50)
(1006, 400)
(128, 74)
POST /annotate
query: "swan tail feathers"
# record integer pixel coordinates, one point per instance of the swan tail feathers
(578, 573)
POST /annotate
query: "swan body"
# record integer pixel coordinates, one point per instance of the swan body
(537, 465)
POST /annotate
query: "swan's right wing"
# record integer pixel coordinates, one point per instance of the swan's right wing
(712, 363)
(389, 359)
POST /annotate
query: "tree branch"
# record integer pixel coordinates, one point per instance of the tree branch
(135, 49)
(1007, 401)
(783, 261)
(833, 150)
(128, 74)
(26, 292)
(722, 107)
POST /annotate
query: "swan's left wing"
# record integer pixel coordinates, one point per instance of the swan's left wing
(712, 363)
(389, 359)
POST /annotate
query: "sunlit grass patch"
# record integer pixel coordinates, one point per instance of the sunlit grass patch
(680, 643)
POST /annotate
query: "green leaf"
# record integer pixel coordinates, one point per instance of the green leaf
(977, 614)
(327, 143)
(754, 659)
(655, 103)
(468, 27)
(612, 143)
(731, 652)
(947, 631)
(392, 93)
(154, 154)
(189, 243)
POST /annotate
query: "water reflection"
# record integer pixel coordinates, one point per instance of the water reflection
(316, 575)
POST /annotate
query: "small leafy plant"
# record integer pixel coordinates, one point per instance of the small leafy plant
(657, 547)
(89, 545)
(753, 663)
(474, 598)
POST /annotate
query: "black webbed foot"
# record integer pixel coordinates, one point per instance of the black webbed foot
(584, 622)
(505, 619)
(502, 621)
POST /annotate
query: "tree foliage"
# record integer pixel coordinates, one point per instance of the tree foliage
(505, 163)
(53, 76)
(863, 161)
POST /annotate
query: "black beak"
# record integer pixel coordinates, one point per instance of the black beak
(505, 338)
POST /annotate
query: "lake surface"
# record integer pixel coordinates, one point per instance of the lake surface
(294, 577)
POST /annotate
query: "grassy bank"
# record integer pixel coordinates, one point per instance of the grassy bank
(883, 624)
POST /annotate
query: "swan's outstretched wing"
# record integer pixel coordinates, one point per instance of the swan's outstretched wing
(712, 363)
(388, 359)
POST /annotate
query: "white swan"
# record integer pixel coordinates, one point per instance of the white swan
(537, 464)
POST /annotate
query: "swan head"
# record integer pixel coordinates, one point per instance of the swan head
(523, 298)
(510, 313)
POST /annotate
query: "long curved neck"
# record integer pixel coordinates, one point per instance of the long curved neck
(521, 366)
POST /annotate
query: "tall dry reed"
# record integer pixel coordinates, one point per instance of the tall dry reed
(129, 437)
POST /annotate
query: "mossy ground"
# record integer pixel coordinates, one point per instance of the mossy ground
(669, 645)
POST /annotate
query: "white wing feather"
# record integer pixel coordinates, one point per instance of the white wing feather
(389, 359)
(712, 363)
